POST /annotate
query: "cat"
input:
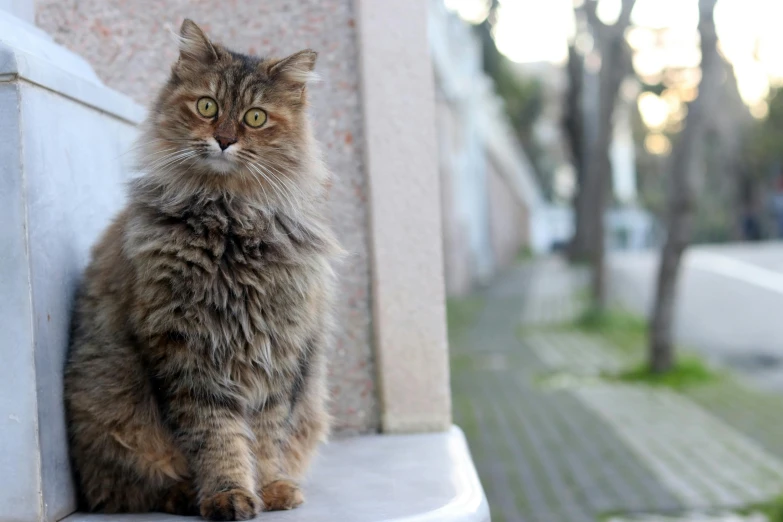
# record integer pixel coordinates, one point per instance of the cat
(195, 380)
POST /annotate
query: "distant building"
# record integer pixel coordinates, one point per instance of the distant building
(493, 208)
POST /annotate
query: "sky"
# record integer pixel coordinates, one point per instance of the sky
(749, 33)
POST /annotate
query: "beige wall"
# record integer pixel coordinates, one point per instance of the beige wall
(508, 220)
(457, 263)
(130, 46)
(402, 162)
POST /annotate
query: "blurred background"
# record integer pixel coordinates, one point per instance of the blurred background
(546, 67)
(612, 193)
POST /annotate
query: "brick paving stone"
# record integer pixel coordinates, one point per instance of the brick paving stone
(553, 442)
(703, 460)
(558, 473)
(542, 455)
(706, 459)
(755, 413)
(577, 353)
(495, 464)
(694, 517)
(550, 293)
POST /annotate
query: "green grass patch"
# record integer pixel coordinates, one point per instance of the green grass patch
(462, 362)
(612, 320)
(772, 509)
(582, 295)
(461, 314)
(629, 332)
(688, 371)
(624, 330)
(524, 254)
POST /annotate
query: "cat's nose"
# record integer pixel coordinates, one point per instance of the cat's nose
(225, 141)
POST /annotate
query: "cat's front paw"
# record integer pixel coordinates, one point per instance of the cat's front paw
(180, 500)
(280, 495)
(235, 504)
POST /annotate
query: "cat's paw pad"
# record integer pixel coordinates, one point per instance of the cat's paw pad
(235, 504)
(281, 494)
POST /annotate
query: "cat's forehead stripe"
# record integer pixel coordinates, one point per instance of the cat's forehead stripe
(237, 85)
(220, 90)
(246, 87)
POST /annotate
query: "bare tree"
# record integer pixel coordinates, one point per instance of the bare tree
(681, 196)
(595, 181)
(574, 127)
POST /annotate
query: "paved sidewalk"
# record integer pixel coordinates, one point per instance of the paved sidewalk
(555, 443)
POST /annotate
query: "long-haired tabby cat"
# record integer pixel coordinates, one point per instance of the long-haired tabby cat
(195, 382)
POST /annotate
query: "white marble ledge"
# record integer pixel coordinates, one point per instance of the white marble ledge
(29, 54)
(380, 478)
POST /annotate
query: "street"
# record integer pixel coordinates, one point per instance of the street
(730, 304)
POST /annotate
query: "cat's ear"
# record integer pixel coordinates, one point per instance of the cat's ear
(297, 68)
(194, 44)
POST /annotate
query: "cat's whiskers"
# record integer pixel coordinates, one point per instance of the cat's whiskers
(144, 145)
(284, 179)
(152, 163)
(291, 188)
(151, 156)
(163, 162)
(177, 162)
(277, 182)
(278, 189)
(250, 164)
(276, 178)
(260, 184)
(180, 161)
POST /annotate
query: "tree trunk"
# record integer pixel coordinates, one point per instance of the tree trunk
(681, 197)
(573, 124)
(615, 66)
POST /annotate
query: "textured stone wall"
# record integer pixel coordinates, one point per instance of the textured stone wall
(130, 45)
(402, 160)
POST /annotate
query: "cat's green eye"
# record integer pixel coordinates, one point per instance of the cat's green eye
(207, 107)
(255, 117)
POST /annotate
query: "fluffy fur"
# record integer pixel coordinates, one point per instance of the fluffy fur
(195, 382)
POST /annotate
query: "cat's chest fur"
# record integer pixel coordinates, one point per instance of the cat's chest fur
(241, 279)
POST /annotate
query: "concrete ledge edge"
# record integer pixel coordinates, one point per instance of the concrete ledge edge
(28, 53)
(425, 477)
(17, 65)
(470, 504)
